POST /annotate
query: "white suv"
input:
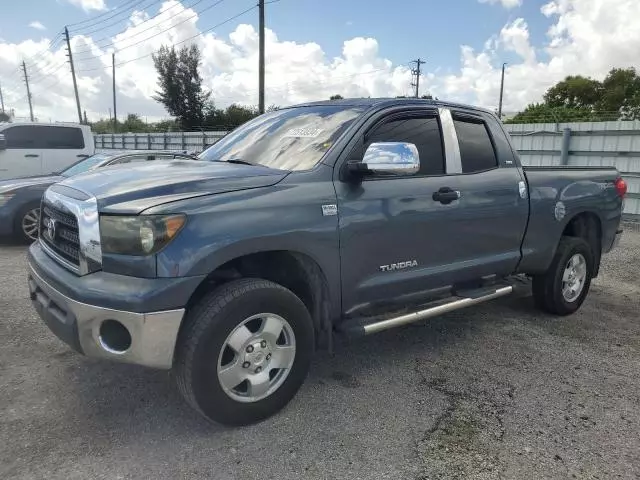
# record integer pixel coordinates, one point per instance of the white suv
(39, 149)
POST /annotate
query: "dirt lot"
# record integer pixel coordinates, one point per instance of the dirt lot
(499, 391)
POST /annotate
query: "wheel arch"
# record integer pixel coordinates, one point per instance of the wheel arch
(296, 271)
(587, 225)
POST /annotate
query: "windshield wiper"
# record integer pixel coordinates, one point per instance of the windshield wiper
(238, 162)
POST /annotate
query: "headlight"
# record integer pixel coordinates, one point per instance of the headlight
(4, 198)
(140, 235)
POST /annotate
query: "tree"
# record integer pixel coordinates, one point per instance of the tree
(133, 124)
(4, 117)
(574, 92)
(621, 93)
(336, 97)
(180, 83)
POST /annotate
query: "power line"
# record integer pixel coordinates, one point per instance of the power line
(149, 28)
(161, 32)
(101, 14)
(118, 13)
(175, 44)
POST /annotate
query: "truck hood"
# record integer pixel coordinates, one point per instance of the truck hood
(131, 189)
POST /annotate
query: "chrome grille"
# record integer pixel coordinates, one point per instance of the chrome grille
(59, 231)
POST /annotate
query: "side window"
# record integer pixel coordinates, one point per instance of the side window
(21, 137)
(476, 150)
(61, 137)
(424, 132)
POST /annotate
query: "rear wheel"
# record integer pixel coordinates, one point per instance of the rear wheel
(26, 223)
(565, 285)
(244, 351)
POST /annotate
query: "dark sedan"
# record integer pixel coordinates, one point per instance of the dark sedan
(20, 197)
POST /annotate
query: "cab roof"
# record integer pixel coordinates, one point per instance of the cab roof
(391, 102)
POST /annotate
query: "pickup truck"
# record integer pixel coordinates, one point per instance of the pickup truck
(332, 218)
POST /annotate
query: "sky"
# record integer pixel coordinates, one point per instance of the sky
(314, 49)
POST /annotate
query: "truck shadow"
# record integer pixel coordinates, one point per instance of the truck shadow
(136, 401)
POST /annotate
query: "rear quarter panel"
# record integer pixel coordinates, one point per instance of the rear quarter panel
(574, 191)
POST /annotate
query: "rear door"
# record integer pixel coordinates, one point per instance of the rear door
(63, 146)
(23, 155)
(492, 210)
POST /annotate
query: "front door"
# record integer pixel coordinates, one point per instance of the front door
(392, 232)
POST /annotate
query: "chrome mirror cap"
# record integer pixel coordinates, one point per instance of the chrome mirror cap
(392, 158)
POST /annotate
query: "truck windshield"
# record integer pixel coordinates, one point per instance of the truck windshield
(289, 139)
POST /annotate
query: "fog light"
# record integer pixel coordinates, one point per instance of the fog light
(114, 337)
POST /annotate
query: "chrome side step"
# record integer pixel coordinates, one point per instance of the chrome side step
(451, 306)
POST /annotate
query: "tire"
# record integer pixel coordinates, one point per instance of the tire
(19, 232)
(549, 289)
(222, 316)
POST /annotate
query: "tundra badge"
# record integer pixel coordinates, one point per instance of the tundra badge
(399, 266)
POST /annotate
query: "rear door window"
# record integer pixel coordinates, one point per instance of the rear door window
(476, 149)
(61, 137)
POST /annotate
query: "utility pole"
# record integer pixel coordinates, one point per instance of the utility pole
(416, 72)
(501, 93)
(113, 74)
(73, 74)
(26, 81)
(261, 59)
(1, 99)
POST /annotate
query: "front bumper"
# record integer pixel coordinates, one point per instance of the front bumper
(152, 334)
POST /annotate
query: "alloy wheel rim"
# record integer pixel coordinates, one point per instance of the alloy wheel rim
(574, 277)
(256, 357)
(30, 222)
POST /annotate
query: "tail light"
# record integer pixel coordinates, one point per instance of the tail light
(621, 187)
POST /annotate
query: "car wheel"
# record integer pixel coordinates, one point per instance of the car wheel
(244, 351)
(27, 223)
(565, 285)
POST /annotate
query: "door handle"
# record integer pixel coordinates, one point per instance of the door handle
(82, 155)
(446, 195)
(31, 155)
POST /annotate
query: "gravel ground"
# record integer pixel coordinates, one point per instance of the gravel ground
(497, 391)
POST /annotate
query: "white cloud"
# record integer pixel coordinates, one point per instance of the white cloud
(504, 3)
(586, 37)
(37, 25)
(88, 5)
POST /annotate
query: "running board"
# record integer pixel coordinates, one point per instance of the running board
(434, 311)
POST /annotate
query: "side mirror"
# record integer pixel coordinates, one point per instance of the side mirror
(389, 158)
(3, 142)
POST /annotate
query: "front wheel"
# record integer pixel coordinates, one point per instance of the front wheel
(244, 351)
(561, 290)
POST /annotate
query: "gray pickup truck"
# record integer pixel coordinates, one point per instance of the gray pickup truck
(343, 217)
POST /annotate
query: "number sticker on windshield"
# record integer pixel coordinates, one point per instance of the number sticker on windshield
(303, 132)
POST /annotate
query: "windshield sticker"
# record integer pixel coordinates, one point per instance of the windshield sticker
(303, 132)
